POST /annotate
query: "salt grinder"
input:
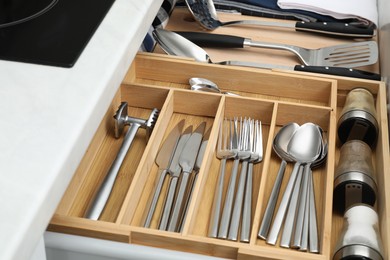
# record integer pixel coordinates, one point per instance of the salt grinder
(358, 118)
(360, 238)
(354, 176)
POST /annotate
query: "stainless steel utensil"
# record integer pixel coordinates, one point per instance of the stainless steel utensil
(121, 119)
(198, 163)
(280, 143)
(204, 12)
(245, 147)
(224, 152)
(174, 171)
(174, 44)
(304, 147)
(186, 161)
(256, 157)
(291, 212)
(350, 55)
(202, 84)
(163, 160)
(238, 141)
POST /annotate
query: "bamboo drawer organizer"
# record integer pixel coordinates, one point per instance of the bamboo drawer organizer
(275, 98)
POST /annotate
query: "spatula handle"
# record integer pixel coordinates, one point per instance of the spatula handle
(339, 71)
(214, 40)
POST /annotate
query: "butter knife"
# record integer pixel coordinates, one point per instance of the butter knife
(163, 160)
(187, 162)
(174, 171)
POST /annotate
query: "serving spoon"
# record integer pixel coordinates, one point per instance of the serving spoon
(202, 84)
(205, 14)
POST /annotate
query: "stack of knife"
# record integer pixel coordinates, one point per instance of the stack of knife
(179, 157)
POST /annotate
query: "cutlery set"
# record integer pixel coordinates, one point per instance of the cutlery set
(305, 146)
(205, 13)
(240, 141)
(175, 44)
(179, 157)
(339, 60)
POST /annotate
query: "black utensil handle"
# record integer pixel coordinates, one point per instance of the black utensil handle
(214, 40)
(344, 29)
(338, 71)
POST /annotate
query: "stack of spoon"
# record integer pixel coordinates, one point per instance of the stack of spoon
(304, 145)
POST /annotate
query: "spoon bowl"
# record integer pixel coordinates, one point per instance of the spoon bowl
(202, 84)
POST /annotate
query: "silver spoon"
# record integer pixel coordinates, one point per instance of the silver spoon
(204, 13)
(202, 84)
(305, 148)
(280, 144)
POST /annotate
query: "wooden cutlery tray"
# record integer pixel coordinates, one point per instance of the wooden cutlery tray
(273, 97)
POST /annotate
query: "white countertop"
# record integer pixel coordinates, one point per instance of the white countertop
(48, 116)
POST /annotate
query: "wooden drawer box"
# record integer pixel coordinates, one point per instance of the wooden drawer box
(275, 98)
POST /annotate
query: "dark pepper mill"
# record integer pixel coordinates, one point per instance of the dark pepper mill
(354, 176)
(358, 118)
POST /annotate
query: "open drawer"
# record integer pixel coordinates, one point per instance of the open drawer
(274, 98)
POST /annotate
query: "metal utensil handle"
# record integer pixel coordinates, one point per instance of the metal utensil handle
(168, 204)
(227, 208)
(156, 195)
(313, 231)
(296, 243)
(105, 188)
(217, 203)
(305, 226)
(188, 200)
(273, 198)
(247, 210)
(277, 224)
(291, 213)
(178, 202)
(236, 213)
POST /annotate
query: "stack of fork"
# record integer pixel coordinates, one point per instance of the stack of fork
(240, 140)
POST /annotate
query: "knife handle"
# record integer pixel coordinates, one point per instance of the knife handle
(213, 40)
(168, 204)
(155, 198)
(342, 29)
(339, 71)
(177, 209)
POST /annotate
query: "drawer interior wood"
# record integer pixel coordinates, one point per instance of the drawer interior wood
(274, 98)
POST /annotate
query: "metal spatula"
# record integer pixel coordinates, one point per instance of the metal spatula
(349, 55)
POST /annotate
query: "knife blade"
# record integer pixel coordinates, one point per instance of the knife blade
(228, 41)
(174, 171)
(163, 161)
(187, 161)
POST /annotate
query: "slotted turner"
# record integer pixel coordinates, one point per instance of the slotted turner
(349, 55)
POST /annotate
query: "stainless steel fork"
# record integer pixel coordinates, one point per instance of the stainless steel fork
(256, 157)
(237, 141)
(224, 152)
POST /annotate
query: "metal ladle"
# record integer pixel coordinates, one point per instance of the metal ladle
(305, 148)
(202, 84)
(280, 144)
